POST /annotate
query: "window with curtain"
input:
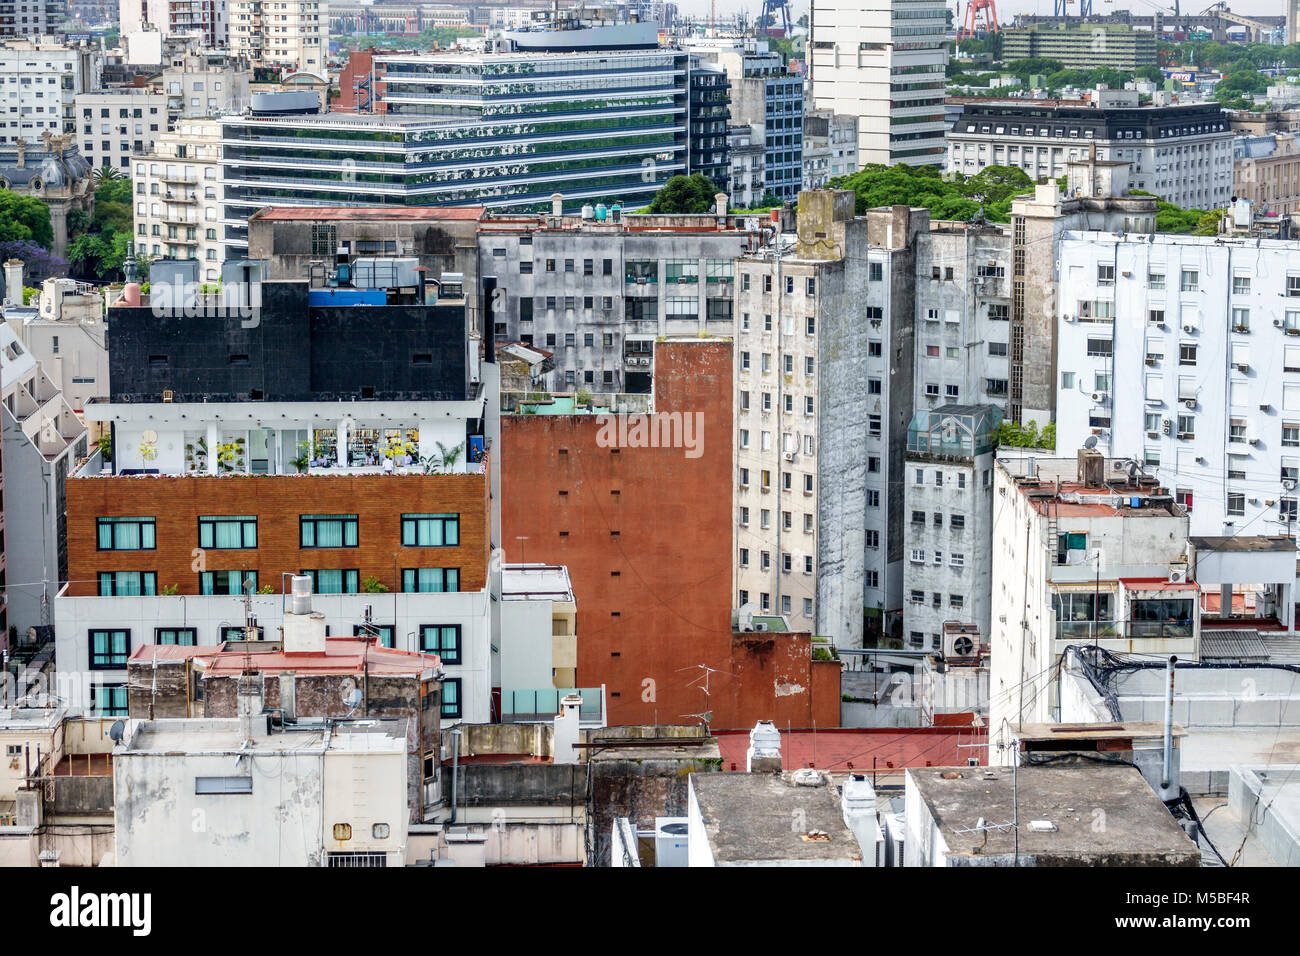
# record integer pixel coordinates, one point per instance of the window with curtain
(109, 648)
(333, 581)
(422, 580)
(441, 639)
(126, 583)
(227, 531)
(384, 631)
(451, 697)
(182, 636)
(328, 531)
(110, 700)
(430, 530)
(125, 534)
(227, 582)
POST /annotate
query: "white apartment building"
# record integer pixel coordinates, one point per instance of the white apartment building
(289, 35)
(830, 147)
(1181, 153)
(204, 19)
(963, 315)
(20, 18)
(178, 197)
(114, 125)
(778, 301)
(1183, 353)
(204, 84)
(39, 81)
(1081, 555)
(883, 61)
(64, 330)
(948, 504)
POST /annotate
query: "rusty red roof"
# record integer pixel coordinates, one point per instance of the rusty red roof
(885, 749)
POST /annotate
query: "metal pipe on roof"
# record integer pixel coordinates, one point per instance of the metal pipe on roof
(1166, 773)
(455, 771)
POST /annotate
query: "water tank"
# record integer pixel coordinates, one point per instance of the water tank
(670, 841)
(300, 594)
(602, 212)
(588, 211)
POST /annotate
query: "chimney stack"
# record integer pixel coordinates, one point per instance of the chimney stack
(566, 729)
(764, 754)
(13, 282)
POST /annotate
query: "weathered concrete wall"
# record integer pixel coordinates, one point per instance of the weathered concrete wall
(161, 821)
(544, 784)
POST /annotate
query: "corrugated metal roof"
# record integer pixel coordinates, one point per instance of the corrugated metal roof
(1233, 645)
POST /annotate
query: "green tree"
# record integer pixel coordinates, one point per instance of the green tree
(685, 194)
(24, 217)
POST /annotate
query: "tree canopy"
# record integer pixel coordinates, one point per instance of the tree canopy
(685, 194)
(953, 197)
(24, 217)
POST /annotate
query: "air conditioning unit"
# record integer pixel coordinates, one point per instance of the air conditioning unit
(1099, 397)
(1151, 360)
(960, 646)
(1068, 318)
(788, 456)
(1189, 328)
(1277, 323)
(1288, 484)
(1177, 573)
(1242, 367)
(1190, 403)
(1162, 326)
(1265, 408)
(1254, 441)
(760, 625)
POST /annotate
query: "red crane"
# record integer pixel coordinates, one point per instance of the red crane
(973, 7)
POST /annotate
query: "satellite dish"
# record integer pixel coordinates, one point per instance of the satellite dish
(116, 731)
(353, 699)
(1090, 442)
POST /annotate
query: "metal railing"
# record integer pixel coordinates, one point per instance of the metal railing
(519, 706)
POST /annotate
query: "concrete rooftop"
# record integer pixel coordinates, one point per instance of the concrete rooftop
(765, 818)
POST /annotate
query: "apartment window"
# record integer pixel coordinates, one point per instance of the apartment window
(917, 597)
(744, 517)
(333, 580)
(1236, 503)
(1241, 285)
(125, 534)
(872, 579)
(1156, 316)
(1186, 354)
(430, 530)
(956, 522)
(1156, 281)
(607, 267)
(1105, 274)
(873, 425)
(1191, 280)
(430, 580)
(220, 532)
(1286, 510)
(177, 636)
(1184, 497)
(874, 348)
(873, 499)
(1241, 320)
(744, 557)
(227, 582)
(875, 272)
(451, 697)
(1291, 434)
(1293, 285)
(550, 265)
(109, 700)
(956, 601)
(1100, 348)
(385, 632)
(109, 648)
(918, 556)
(127, 583)
(327, 531)
(441, 639)
(873, 539)
(588, 267)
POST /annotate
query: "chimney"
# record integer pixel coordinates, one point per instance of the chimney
(13, 282)
(303, 631)
(557, 204)
(764, 754)
(566, 729)
(250, 704)
(859, 806)
(1092, 468)
(720, 208)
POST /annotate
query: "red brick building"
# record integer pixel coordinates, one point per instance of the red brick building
(646, 535)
